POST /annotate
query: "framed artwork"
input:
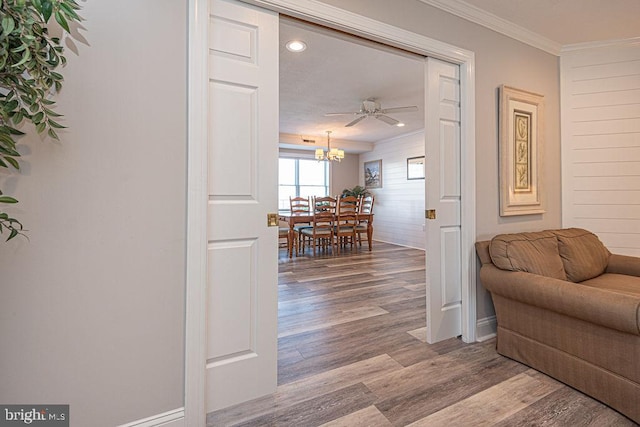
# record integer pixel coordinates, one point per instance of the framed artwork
(373, 174)
(521, 129)
(415, 167)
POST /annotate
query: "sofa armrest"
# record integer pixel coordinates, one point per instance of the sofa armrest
(622, 264)
(610, 309)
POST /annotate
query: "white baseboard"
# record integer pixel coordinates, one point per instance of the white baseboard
(173, 418)
(486, 328)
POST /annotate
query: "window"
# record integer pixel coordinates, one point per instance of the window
(301, 177)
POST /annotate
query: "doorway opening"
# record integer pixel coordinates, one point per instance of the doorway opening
(323, 88)
(198, 131)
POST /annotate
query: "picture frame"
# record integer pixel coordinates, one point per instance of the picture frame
(415, 167)
(521, 117)
(373, 174)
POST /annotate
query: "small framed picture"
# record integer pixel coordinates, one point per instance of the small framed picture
(373, 174)
(415, 167)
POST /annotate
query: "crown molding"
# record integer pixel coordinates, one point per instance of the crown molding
(481, 17)
(601, 44)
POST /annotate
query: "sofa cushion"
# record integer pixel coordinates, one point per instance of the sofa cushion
(620, 283)
(535, 253)
(482, 249)
(583, 254)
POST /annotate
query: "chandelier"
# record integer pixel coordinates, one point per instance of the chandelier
(332, 154)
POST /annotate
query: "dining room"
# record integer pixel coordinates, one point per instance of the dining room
(351, 118)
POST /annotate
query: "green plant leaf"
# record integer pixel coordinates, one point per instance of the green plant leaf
(37, 118)
(17, 118)
(25, 57)
(60, 19)
(55, 124)
(10, 106)
(8, 25)
(7, 199)
(68, 10)
(37, 4)
(51, 113)
(13, 234)
(47, 10)
(13, 162)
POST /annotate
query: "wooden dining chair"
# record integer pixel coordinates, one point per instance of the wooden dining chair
(366, 207)
(283, 233)
(346, 221)
(299, 206)
(322, 232)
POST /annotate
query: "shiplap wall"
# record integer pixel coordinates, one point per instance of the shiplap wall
(399, 204)
(601, 143)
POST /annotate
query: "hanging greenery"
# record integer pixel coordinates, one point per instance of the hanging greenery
(28, 58)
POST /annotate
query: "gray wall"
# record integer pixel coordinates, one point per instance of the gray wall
(92, 305)
(499, 60)
(344, 174)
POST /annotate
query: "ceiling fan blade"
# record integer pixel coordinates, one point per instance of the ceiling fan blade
(341, 114)
(388, 120)
(358, 120)
(399, 110)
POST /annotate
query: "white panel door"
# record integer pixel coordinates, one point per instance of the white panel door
(442, 187)
(242, 188)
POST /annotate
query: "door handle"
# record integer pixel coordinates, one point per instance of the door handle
(272, 220)
(430, 214)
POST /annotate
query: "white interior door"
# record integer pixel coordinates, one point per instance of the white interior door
(242, 189)
(442, 151)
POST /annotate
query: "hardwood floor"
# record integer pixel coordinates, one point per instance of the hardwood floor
(352, 353)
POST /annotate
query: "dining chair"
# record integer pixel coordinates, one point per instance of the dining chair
(299, 206)
(322, 232)
(346, 221)
(366, 207)
(283, 233)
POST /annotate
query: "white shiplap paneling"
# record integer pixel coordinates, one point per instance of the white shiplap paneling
(601, 143)
(399, 204)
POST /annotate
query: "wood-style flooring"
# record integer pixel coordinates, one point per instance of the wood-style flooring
(352, 353)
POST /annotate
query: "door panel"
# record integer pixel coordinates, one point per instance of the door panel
(242, 250)
(442, 148)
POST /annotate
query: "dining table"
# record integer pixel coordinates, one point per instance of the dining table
(307, 218)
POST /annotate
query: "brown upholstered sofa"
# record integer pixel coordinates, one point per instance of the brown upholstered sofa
(569, 308)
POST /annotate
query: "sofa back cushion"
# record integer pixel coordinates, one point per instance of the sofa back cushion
(583, 254)
(535, 253)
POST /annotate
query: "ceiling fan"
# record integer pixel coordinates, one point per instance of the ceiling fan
(371, 108)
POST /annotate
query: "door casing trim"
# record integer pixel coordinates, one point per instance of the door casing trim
(196, 271)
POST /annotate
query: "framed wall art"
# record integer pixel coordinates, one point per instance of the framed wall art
(373, 174)
(521, 140)
(415, 167)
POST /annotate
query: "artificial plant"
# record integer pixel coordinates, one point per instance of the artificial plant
(29, 56)
(357, 191)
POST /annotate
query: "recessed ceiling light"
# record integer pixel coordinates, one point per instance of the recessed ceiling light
(400, 124)
(296, 45)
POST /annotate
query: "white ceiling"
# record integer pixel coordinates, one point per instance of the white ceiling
(337, 72)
